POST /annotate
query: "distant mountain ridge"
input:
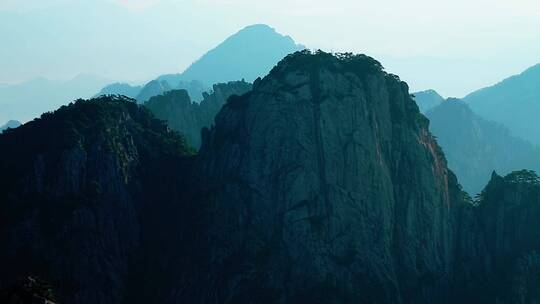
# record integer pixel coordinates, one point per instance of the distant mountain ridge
(10, 125)
(188, 117)
(427, 100)
(120, 89)
(514, 102)
(30, 99)
(475, 147)
(246, 55)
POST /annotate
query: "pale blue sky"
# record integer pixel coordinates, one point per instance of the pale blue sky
(451, 46)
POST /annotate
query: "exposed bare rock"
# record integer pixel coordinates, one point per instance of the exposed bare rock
(328, 188)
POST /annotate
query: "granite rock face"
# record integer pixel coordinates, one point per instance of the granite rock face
(328, 188)
(320, 185)
(187, 117)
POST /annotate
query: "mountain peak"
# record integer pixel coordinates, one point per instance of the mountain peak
(301, 148)
(261, 27)
(307, 60)
(427, 100)
(247, 54)
(259, 31)
(10, 125)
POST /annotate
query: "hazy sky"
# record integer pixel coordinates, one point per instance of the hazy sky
(452, 46)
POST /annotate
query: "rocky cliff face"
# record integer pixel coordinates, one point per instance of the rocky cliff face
(328, 188)
(497, 260)
(187, 117)
(320, 185)
(76, 186)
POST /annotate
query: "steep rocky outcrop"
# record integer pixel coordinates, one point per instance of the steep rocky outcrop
(327, 188)
(187, 117)
(322, 184)
(499, 261)
(78, 191)
(475, 147)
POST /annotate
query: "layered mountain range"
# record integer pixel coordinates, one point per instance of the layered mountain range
(427, 100)
(514, 102)
(189, 117)
(244, 56)
(475, 147)
(10, 125)
(248, 54)
(321, 184)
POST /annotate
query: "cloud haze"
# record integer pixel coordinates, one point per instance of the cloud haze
(452, 46)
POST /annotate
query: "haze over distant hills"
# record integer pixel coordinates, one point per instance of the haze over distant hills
(427, 100)
(10, 124)
(475, 147)
(30, 99)
(246, 55)
(121, 89)
(514, 102)
(189, 118)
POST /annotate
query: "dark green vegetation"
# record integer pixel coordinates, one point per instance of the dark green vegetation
(189, 118)
(514, 102)
(320, 185)
(427, 100)
(476, 147)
